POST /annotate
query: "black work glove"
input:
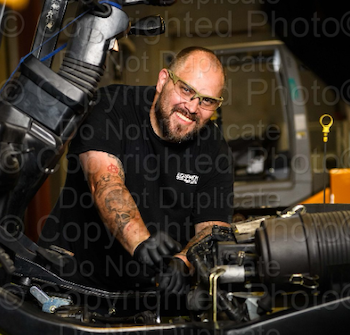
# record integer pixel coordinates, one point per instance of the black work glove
(152, 250)
(176, 278)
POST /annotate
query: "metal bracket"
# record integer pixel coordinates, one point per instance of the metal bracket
(213, 287)
(49, 304)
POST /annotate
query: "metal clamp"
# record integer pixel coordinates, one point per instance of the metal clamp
(298, 209)
(304, 280)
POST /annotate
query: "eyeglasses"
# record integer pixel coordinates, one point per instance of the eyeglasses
(188, 93)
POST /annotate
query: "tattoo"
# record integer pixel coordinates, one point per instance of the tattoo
(106, 177)
(112, 156)
(118, 202)
(106, 181)
(111, 178)
(113, 168)
(118, 168)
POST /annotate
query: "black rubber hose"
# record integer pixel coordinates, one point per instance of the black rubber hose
(315, 246)
(83, 75)
(331, 258)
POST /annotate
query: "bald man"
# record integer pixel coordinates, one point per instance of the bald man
(148, 175)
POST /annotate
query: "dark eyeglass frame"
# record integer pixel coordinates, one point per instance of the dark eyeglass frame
(175, 79)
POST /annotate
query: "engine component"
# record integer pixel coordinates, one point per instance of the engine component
(49, 304)
(310, 250)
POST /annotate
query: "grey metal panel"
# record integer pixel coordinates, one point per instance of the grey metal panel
(272, 193)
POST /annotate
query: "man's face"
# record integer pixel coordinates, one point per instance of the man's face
(179, 120)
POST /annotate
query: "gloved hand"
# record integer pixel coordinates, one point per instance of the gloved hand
(152, 250)
(176, 277)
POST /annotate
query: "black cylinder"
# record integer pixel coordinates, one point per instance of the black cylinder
(312, 250)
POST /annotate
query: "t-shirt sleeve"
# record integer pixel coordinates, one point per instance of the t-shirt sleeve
(102, 129)
(214, 197)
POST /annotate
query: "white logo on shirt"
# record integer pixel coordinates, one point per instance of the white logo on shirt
(187, 178)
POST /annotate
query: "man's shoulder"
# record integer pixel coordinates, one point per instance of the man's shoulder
(211, 140)
(127, 92)
(118, 100)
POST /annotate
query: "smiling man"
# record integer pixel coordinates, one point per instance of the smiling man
(177, 117)
(148, 175)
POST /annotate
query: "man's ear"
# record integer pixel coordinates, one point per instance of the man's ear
(162, 79)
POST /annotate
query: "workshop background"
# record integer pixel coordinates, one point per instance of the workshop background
(316, 33)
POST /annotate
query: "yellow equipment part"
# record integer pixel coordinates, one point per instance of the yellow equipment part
(339, 180)
(338, 192)
(15, 4)
(317, 198)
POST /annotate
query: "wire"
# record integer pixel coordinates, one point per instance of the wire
(112, 3)
(51, 54)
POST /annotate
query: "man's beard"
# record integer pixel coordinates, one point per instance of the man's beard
(163, 120)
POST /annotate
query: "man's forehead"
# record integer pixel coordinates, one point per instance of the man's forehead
(199, 63)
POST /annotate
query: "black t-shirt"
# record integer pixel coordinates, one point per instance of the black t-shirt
(175, 186)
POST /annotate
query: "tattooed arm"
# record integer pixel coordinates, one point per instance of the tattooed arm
(117, 209)
(201, 230)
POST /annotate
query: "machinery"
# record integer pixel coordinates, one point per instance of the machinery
(280, 273)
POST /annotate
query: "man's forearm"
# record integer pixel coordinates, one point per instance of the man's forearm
(117, 208)
(119, 212)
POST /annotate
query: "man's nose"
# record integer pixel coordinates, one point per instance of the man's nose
(192, 105)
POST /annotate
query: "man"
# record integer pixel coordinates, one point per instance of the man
(157, 172)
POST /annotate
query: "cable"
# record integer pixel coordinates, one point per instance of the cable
(53, 53)
(112, 3)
